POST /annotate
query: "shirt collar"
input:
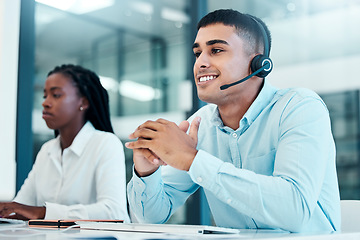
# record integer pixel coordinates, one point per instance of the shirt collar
(262, 100)
(82, 138)
(79, 142)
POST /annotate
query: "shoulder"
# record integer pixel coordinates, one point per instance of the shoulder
(300, 106)
(297, 94)
(106, 138)
(205, 112)
(47, 146)
(291, 97)
(104, 147)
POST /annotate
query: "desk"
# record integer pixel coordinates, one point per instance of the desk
(14, 232)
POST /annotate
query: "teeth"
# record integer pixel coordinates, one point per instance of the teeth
(206, 78)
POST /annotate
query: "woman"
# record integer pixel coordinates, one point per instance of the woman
(81, 173)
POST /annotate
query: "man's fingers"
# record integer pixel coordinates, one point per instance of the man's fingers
(140, 143)
(194, 127)
(152, 157)
(184, 126)
(143, 133)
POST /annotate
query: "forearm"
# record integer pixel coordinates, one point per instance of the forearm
(145, 200)
(100, 210)
(155, 198)
(275, 201)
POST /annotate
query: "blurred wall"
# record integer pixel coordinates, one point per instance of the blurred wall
(9, 43)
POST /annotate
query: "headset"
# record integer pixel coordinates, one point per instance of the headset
(261, 65)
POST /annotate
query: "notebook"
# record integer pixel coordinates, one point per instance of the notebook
(64, 223)
(157, 228)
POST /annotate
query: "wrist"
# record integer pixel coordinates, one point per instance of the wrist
(191, 158)
(144, 173)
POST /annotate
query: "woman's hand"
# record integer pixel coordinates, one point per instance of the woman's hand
(16, 210)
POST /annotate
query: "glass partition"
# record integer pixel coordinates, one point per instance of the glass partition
(141, 51)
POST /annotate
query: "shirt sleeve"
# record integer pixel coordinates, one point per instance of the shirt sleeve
(153, 199)
(27, 192)
(286, 199)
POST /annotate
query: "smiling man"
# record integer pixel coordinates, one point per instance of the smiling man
(265, 157)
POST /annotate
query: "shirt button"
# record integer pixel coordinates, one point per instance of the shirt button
(234, 135)
(199, 179)
(229, 201)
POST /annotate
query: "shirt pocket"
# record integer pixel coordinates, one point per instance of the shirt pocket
(263, 164)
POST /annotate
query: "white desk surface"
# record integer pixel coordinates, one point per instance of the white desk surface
(14, 232)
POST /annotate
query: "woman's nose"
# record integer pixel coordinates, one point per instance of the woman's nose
(46, 103)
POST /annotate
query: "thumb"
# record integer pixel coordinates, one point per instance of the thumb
(184, 125)
(194, 127)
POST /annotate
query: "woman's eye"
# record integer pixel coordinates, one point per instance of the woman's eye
(56, 95)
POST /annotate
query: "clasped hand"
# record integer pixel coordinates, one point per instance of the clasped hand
(162, 142)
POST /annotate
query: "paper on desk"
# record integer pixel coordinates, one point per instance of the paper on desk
(157, 228)
(11, 221)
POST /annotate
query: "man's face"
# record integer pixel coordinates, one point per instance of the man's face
(220, 59)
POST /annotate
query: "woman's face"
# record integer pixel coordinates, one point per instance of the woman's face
(62, 102)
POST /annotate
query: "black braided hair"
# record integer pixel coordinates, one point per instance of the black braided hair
(89, 86)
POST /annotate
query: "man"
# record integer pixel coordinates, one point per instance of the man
(265, 157)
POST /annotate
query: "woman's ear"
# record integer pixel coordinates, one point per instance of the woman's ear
(84, 103)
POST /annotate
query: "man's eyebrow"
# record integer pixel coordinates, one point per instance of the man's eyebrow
(211, 42)
(215, 41)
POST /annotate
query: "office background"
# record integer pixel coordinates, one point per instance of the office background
(142, 51)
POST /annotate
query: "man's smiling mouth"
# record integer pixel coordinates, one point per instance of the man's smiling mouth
(207, 78)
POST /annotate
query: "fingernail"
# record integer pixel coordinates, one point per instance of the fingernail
(156, 161)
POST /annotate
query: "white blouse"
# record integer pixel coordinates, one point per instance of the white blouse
(87, 181)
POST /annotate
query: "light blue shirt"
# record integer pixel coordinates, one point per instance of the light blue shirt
(277, 170)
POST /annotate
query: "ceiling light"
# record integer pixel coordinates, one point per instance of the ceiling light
(109, 83)
(174, 15)
(77, 6)
(138, 91)
(142, 7)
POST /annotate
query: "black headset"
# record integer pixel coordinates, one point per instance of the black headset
(261, 60)
(261, 65)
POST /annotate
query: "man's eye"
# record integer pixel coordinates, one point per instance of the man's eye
(197, 54)
(56, 95)
(215, 50)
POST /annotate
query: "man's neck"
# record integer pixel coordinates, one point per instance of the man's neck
(234, 110)
(231, 114)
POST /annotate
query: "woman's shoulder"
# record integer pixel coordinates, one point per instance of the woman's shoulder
(101, 137)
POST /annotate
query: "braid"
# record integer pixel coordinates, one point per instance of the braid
(90, 87)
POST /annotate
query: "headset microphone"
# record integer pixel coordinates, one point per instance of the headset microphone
(267, 65)
(261, 65)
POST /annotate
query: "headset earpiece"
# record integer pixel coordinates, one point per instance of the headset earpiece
(261, 65)
(259, 61)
